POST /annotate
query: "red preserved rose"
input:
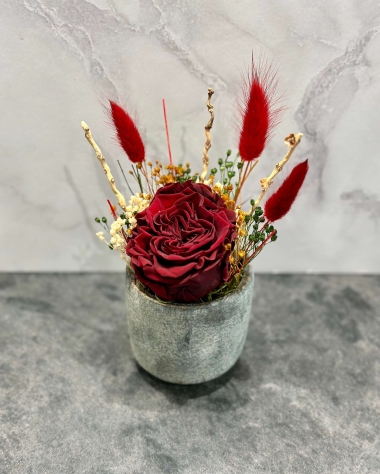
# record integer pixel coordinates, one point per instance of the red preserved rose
(178, 248)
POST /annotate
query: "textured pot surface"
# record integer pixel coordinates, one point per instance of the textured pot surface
(188, 344)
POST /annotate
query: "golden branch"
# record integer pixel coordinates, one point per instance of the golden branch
(208, 127)
(292, 141)
(107, 171)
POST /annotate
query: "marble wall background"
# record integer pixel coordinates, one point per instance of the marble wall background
(61, 59)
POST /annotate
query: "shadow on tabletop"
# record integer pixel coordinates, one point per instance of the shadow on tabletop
(181, 393)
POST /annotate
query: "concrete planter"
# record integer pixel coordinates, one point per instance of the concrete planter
(188, 344)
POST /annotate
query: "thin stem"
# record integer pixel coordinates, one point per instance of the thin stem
(239, 180)
(259, 248)
(151, 182)
(145, 174)
(263, 227)
(138, 178)
(247, 172)
(125, 177)
(103, 226)
(167, 135)
(255, 253)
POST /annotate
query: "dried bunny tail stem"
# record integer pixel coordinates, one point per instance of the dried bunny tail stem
(127, 134)
(259, 108)
(292, 141)
(107, 171)
(279, 204)
(208, 127)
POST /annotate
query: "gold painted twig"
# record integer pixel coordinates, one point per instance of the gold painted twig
(292, 141)
(107, 171)
(208, 127)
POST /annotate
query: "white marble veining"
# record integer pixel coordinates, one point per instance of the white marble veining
(61, 60)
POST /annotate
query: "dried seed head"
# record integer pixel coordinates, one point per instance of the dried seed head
(290, 140)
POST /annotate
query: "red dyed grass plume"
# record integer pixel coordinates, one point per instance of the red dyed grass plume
(127, 134)
(259, 109)
(281, 201)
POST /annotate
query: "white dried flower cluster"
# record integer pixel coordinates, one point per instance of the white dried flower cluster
(117, 238)
(218, 188)
(122, 228)
(100, 236)
(117, 241)
(137, 203)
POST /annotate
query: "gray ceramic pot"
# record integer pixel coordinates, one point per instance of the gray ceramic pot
(188, 344)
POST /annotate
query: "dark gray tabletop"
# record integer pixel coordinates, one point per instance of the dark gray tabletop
(303, 398)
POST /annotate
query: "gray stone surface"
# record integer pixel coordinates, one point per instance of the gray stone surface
(303, 398)
(188, 343)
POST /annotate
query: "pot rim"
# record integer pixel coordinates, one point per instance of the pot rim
(248, 273)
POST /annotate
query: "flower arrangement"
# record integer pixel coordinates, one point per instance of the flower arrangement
(185, 234)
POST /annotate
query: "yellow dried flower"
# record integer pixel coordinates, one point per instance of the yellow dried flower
(166, 179)
(230, 204)
(217, 188)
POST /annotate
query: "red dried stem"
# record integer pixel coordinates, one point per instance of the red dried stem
(112, 209)
(167, 135)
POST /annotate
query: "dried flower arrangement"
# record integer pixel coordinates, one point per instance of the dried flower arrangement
(184, 234)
